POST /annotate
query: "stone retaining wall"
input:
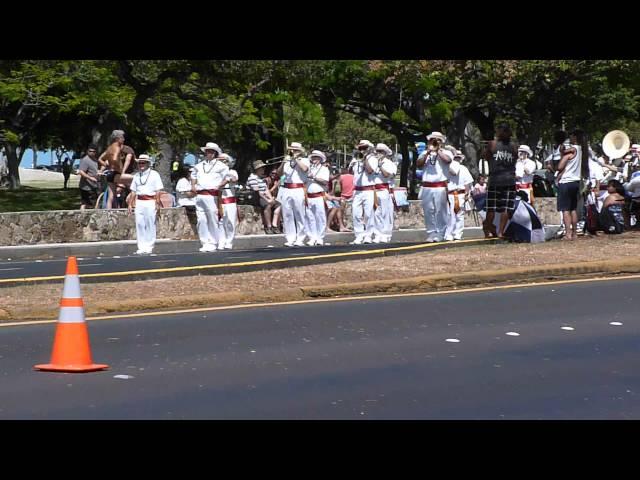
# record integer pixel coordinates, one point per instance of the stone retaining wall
(64, 226)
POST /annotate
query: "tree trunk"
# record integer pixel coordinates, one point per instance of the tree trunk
(12, 163)
(406, 161)
(163, 162)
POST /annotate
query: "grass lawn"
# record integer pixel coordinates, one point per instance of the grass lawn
(38, 199)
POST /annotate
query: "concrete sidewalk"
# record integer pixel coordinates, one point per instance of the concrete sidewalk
(243, 242)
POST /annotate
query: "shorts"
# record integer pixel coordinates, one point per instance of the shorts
(110, 175)
(568, 196)
(501, 198)
(88, 197)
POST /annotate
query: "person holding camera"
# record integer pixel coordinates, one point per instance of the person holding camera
(434, 192)
(501, 154)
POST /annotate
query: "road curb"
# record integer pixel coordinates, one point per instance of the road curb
(427, 283)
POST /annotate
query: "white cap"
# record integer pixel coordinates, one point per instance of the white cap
(296, 146)
(438, 135)
(525, 148)
(384, 148)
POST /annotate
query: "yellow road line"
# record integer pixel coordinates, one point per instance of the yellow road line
(341, 299)
(238, 264)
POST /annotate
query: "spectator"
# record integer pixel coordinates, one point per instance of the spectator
(632, 188)
(257, 182)
(501, 154)
(273, 184)
(89, 184)
(66, 171)
(569, 175)
(611, 216)
(346, 196)
(479, 195)
(185, 195)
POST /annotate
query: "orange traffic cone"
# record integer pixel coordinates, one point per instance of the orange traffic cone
(71, 350)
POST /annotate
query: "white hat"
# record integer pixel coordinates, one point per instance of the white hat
(318, 153)
(438, 135)
(296, 146)
(228, 159)
(212, 146)
(384, 148)
(526, 149)
(365, 143)
(144, 158)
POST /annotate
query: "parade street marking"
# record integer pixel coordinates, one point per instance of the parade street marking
(197, 268)
(617, 324)
(452, 340)
(325, 300)
(7, 269)
(513, 334)
(567, 328)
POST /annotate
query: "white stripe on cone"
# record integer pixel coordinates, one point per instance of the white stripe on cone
(71, 315)
(71, 287)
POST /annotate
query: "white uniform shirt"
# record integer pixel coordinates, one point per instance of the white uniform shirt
(320, 172)
(596, 172)
(146, 183)
(295, 174)
(461, 180)
(209, 175)
(182, 187)
(434, 169)
(360, 176)
(390, 167)
(524, 170)
(229, 191)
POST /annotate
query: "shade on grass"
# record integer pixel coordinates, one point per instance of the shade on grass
(36, 199)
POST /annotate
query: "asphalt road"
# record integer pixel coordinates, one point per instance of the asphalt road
(17, 269)
(383, 358)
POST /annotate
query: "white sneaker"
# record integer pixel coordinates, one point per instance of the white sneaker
(288, 244)
(210, 248)
(298, 243)
(320, 243)
(140, 252)
(228, 246)
(377, 240)
(202, 249)
(357, 241)
(367, 240)
(311, 243)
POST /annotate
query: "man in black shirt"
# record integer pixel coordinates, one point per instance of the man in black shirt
(501, 154)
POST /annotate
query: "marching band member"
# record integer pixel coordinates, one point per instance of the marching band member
(295, 168)
(206, 179)
(145, 198)
(525, 168)
(383, 225)
(229, 214)
(459, 186)
(363, 205)
(316, 215)
(436, 160)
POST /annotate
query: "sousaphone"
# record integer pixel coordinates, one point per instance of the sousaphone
(615, 144)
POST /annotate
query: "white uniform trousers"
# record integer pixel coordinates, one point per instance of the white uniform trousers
(146, 224)
(207, 215)
(383, 216)
(316, 219)
(361, 208)
(293, 214)
(227, 227)
(435, 206)
(455, 226)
